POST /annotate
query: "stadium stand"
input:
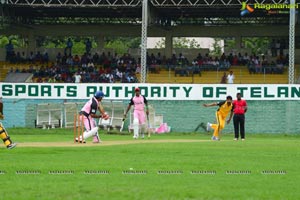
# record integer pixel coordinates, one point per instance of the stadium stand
(242, 76)
(110, 69)
(166, 19)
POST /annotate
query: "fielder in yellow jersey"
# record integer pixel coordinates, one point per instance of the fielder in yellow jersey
(225, 107)
(3, 133)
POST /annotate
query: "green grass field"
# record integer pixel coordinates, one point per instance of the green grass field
(164, 167)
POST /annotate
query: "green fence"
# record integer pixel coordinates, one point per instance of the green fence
(183, 116)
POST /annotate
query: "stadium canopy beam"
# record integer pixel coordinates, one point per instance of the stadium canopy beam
(292, 43)
(76, 3)
(167, 12)
(209, 3)
(136, 3)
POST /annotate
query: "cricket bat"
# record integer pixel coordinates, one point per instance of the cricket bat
(122, 125)
(149, 133)
(101, 108)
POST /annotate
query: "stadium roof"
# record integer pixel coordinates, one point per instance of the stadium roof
(163, 12)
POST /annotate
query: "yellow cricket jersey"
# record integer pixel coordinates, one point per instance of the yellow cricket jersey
(224, 109)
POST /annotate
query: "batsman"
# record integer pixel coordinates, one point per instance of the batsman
(3, 133)
(139, 119)
(88, 113)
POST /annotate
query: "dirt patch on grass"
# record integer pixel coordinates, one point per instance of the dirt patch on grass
(105, 143)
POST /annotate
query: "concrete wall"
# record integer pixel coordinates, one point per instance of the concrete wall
(183, 116)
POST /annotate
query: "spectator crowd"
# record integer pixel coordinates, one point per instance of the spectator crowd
(111, 68)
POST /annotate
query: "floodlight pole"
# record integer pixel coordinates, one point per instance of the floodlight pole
(144, 41)
(292, 43)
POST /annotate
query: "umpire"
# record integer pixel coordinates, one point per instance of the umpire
(239, 110)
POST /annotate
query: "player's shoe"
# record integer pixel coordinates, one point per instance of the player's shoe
(11, 146)
(214, 138)
(96, 139)
(235, 139)
(143, 136)
(135, 137)
(208, 126)
(243, 139)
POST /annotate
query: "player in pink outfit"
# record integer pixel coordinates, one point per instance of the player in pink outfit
(88, 112)
(139, 119)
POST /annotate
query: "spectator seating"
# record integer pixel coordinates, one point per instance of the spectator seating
(242, 76)
(193, 75)
(266, 69)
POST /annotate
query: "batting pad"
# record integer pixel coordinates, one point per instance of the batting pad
(90, 133)
(143, 128)
(135, 127)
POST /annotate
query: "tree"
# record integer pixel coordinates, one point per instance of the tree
(185, 43)
(134, 43)
(16, 40)
(193, 44)
(60, 42)
(229, 44)
(216, 47)
(3, 41)
(180, 43)
(257, 45)
(161, 44)
(118, 46)
(121, 44)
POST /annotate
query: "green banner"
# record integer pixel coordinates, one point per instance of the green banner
(151, 91)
